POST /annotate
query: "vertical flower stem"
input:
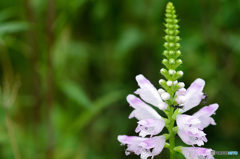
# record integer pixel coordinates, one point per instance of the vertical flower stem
(172, 134)
(171, 62)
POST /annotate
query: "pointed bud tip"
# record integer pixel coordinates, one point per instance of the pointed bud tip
(170, 4)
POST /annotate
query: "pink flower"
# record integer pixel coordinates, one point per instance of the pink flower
(149, 93)
(189, 130)
(197, 153)
(145, 147)
(192, 96)
(204, 115)
(190, 127)
(150, 122)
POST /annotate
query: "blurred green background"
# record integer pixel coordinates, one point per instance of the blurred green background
(66, 67)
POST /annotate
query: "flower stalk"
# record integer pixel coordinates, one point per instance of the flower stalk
(171, 62)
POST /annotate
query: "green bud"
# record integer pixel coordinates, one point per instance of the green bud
(167, 145)
(177, 63)
(177, 75)
(163, 83)
(178, 149)
(164, 72)
(166, 136)
(171, 61)
(166, 63)
(175, 129)
(177, 54)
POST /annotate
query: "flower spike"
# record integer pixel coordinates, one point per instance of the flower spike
(174, 100)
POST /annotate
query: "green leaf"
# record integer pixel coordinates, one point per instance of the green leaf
(7, 14)
(12, 27)
(75, 93)
(129, 39)
(86, 116)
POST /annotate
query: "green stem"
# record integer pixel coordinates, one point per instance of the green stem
(172, 61)
(172, 134)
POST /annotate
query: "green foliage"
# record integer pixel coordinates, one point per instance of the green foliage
(75, 58)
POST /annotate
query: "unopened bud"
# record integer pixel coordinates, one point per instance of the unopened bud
(163, 70)
(162, 105)
(169, 83)
(171, 61)
(181, 84)
(161, 81)
(165, 96)
(171, 72)
(180, 73)
(175, 82)
(160, 91)
(171, 52)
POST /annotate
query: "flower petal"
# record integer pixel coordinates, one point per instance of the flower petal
(193, 95)
(141, 110)
(196, 153)
(189, 131)
(150, 127)
(149, 93)
(157, 143)
(132, 143)
(143, 146)
(204, 115)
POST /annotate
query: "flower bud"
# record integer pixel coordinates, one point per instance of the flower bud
(175, 82)
(177, 54)
(165, 62)
(165, 96)
(162, 105)
(162, 81)
(163, 71)
(180, 73)
(169, 83)
(171, 72)
(177, 38)
(176, 26)
(176, 32)
(177, 45)
(160, 91)
(171, 61)
(181, 99)
(171, 52)
(181, 85)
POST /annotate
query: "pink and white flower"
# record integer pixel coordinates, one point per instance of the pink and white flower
(192, 96)
(145, 147)
(197, 153)
(150, 122)
(189, 130)
(204, 115)
(149, 93)
(190, 127)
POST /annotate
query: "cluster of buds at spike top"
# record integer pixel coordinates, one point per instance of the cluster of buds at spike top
(172, 52)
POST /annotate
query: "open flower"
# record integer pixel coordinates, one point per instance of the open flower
(145, 147)
(190, 127)
(192, 96)
(204, 115)
(189, 130)
(150, 122)
(197, 153)
(149, 93)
